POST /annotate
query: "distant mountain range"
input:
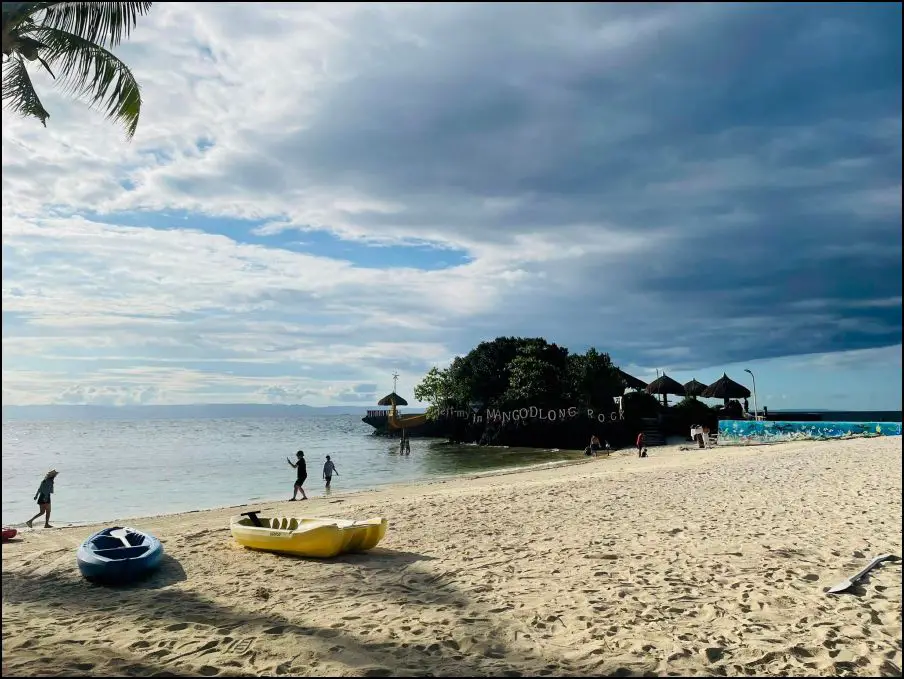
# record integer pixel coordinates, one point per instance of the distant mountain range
(174, 412)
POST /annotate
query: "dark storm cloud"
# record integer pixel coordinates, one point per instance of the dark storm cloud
(758, 147)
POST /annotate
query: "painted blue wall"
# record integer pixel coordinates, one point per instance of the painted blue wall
(744, 431)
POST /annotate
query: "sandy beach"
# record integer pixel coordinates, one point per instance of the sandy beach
(690, 562)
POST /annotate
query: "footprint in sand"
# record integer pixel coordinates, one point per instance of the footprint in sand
(242, 646)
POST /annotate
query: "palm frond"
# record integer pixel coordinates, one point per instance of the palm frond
(19, 95)
(17, 22)
(15, 12)
(101, 23)
(90, 72)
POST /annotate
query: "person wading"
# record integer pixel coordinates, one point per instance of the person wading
(328, 470)
(302, 468)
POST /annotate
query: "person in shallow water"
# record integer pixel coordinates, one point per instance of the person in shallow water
(43, 497)
(302, 468)
(404, 443)
(328, 470)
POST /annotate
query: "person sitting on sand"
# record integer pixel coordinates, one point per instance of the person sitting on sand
(328, 470)
(302, 468)
(43, 497)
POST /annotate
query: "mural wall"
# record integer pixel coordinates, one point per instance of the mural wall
(750, 431)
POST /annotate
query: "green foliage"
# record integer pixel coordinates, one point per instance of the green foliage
(514, 371)
(435, 389)
(691, 406)
(70, 41)
(593, 379)
(641, 404)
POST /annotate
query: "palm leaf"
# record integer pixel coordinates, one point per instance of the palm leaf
(102, 23)
(15, 12)
(19, 93)
(89, 71)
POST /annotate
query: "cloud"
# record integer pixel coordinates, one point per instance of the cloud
(108, 396)
(682, 184)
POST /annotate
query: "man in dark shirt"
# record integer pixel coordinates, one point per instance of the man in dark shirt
(302, 474)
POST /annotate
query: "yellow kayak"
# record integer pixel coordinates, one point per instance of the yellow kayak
(307, 536)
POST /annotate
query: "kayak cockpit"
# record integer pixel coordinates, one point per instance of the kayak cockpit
(120, 553)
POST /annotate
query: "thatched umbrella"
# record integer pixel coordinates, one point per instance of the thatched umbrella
(392, 399)
(630, 381)
(665, 385)
(694, 388)
(725, 388)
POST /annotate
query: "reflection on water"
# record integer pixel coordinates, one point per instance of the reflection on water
(118, 469)
(440, 458)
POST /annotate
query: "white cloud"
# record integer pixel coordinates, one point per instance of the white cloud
(519, 140)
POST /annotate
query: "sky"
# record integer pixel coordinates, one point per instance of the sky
(322, 194)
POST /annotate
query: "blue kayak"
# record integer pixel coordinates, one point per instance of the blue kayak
(119, 555)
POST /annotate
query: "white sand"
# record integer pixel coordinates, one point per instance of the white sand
(689, 563)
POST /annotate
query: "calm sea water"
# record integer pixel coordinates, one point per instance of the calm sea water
(121, 469)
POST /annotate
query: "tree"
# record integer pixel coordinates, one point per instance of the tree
(70, 40)
(437, 390)
(516, 371)
(593, 380)
(533, 381)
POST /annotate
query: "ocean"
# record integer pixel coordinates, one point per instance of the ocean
(116, 469)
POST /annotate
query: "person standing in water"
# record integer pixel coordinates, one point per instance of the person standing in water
(45, 490)
(302, 468)
(405, 443)
(328, 470)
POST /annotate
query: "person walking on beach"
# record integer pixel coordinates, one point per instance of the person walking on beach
(45, 490)
(595, 445)
(302, 468)
(328, 470)
(641, 440)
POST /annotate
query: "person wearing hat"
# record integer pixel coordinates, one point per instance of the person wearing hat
(43, 497)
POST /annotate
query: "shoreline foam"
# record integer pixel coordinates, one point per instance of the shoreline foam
(695, 562)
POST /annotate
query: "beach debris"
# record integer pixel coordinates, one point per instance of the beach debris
(847, 584)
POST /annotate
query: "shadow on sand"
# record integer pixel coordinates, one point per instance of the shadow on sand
(165, 609)
(376, 558)
(169, 573)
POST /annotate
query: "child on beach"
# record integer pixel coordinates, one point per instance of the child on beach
(328, 470)
(302, 468)
(43, 497)
(641, 440)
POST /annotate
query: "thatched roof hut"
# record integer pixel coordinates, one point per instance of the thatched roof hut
(665, 385)
(726, 388)
(392, 399)
(630, 381)
(694, 388)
